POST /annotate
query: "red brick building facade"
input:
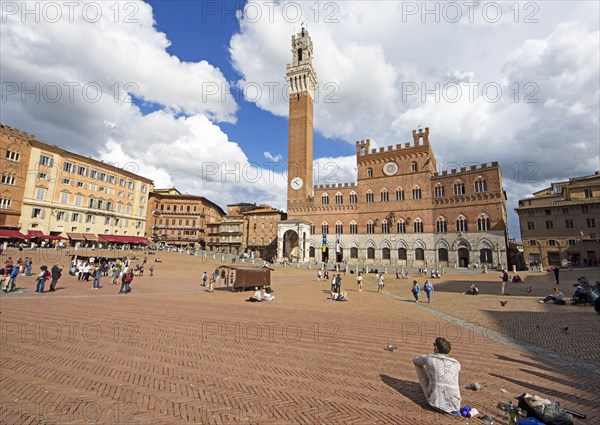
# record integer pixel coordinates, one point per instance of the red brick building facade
(180, 220)
(260, 233)
(400, 211)
(247, 228)
(15, 150)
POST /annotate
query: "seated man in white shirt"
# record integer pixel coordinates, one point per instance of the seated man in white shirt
(438, 376)
(267, 296)
(256, 298)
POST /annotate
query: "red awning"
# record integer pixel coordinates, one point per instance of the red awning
(139, 240)
(55, 237)
(111, 238)
(11, 234)
(36, 234)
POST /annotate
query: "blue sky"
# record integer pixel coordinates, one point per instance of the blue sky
(188, 22)
(380, 58)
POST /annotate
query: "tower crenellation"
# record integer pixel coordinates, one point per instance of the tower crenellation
(362, 147)
(420, 140)
(418, 135)
(15, 132)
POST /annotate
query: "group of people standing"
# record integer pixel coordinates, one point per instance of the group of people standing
(427, 288)
(210, 280)
(336, 284)
(118, 269)
(416, 289)
(336, 288)
(11, 270)
(216, 278)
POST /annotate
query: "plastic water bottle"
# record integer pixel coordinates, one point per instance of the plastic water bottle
(512, 414)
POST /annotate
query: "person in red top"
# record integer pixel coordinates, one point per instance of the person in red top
(42, 277)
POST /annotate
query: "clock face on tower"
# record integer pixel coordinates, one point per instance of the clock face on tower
(390, 169)
(296, 183)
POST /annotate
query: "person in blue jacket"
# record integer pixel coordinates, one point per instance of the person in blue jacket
(428, 288)
(416, 290)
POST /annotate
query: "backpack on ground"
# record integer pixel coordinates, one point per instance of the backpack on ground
(549, 412)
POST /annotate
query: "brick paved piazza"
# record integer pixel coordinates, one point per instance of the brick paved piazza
(170, 352)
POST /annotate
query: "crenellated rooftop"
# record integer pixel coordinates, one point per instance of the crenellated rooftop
(463, 170)
(16, 132)
(420, 139)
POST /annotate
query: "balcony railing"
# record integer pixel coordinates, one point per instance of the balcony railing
(183, 213)
(161, 227)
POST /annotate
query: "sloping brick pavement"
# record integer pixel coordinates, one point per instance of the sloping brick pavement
(523, 318)
(172, 353)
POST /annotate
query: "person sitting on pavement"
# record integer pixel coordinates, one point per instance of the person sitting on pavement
(267, 296)
(584, 292)
(473, 290)
(438, 375)
(557, 297)
(341, 296)
(256, 298)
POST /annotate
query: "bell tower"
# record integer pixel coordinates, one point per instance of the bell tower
(302, 82)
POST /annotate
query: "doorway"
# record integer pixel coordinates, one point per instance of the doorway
(463, 257)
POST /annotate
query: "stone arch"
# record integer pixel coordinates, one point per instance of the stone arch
(461, 243)
(290, 244)
(385, 244)
(442, 251)
(442, 243)
(484, 243)
(401, 243)
(419, 244)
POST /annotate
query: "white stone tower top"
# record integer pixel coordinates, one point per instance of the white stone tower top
(300, 75)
